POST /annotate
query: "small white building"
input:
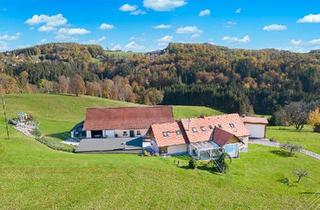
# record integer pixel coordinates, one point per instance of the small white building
(256, 126)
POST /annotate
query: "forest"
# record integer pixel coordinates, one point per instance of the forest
(232, 80)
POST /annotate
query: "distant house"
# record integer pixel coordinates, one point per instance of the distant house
(200, 136)
(256, 126)
(121, 122)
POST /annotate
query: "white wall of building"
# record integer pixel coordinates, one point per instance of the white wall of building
(88, 134)
(109, 133)
(256, 130)
(177, 149)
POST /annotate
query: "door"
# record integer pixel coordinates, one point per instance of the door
(132, 133)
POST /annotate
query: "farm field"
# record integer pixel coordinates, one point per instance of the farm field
(32, 176)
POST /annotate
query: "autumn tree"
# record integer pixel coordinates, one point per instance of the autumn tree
(153, 96)
(63, 84)
(77, 85)
(23, 81)
(46, 86)
(93, 89)
(314, 119)
(8, 84)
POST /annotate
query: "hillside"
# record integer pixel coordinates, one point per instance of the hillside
(57, 114)
(32, 176)
(232, 80)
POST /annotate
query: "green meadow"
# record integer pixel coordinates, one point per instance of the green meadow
(32, 176)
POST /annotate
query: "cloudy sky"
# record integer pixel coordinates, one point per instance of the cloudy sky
(145, 25)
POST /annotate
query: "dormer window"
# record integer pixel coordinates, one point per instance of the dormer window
(219, 125)
(210, 127)
(203, 128)
(194, 129)
(231, 125)
(165, 134)
(178, 132)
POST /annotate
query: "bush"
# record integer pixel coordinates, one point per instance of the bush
(193, 163)
(36, 132)
(291, 148)
(55, 144)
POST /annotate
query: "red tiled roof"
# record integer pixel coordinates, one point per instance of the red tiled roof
(126, 117)
(255, 120)
(201, 129)
(171, 138)
(221, 137)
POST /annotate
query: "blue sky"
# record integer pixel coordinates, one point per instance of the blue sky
(145, 25)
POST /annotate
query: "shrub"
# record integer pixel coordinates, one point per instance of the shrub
(55, 144)
(36, 132)
(193, 163)
(291, 148)
(300, 173)
(314, 119)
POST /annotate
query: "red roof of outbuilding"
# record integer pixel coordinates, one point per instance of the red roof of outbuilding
(255, 120)
(126, 117)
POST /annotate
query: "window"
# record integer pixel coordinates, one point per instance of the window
(203, 128)
(178, 132)
(165, 134)
(210, 127)
(231, 125)
(194, 129)
(125, 133)
(163, 150)
(138, 133)
(219, 125)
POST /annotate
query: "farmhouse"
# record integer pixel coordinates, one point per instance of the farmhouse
(121, 122)
(200, 136)
(256, 126)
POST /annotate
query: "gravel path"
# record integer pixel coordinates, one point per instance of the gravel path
(266, 142)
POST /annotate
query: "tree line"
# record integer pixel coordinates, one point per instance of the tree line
(233, 80)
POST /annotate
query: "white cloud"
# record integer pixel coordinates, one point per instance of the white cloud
(54, 20)
(7, 37)
(296, 42)
(195, 36)
(230, 24)
(275, 27)
(314, 42)
(166, 39)
(133, 9)
(65, 38)
(46, 28)
(312, 18)
(138, 12)
(116, 47)
(238, 10)
(73, 31)
(188, 30)
(162, 26)
(96, 41)
(128, 8)
(163, 5)
(106, 26)
(205, 12)
(237, 40)
(133, 46)
(3, 46)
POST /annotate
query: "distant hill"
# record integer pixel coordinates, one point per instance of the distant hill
(233, 80)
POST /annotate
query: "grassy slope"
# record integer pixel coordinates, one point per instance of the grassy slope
(58, 114)
(34, 177)
(306, 137)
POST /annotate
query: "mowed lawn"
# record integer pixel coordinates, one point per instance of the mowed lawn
(306, 137)
(32, 176)
(57, 114)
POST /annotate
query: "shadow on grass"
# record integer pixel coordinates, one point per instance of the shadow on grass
(203, 167)
(61, 136)
(309, 193)
(281, 153)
